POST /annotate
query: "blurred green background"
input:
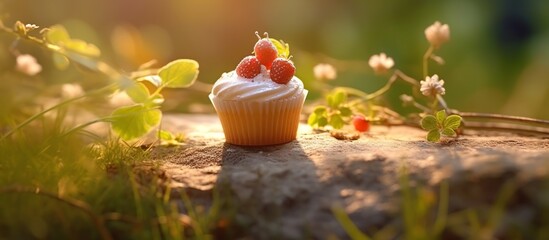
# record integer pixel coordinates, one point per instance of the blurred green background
(496, 61)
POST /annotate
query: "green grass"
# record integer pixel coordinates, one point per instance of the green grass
(424, 215)
(59, 186)
(55, 185)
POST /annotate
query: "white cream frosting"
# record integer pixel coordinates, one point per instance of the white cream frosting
(260, 88)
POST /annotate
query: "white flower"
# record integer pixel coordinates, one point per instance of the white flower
(31, 27)
(432, 86)
(71, 90)
(381, 63)
(437, 34)
(27, 64)
(324, 71)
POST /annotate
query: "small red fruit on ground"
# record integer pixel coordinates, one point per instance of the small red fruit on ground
(282, 71)
(249, 67)
(361, 124)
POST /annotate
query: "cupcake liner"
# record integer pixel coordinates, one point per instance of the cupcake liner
(259, 123)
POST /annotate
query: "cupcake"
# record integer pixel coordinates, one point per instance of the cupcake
(259, 103)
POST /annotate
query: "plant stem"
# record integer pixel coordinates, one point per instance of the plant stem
(383, 89)
(426, 57)
(506, 128)
(396, 75)
(502, 117)
(83, 60)
(442, 212)
(352, 91)
(84, 125)
(40, 114)
(387, 111)
(420, 107)
(364, 97)
(442, 102)
(347, 224)
(434, 107)
(406, 78)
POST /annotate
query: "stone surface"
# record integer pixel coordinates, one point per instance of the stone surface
(301, 181)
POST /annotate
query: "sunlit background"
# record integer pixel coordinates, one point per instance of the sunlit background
(496, 61)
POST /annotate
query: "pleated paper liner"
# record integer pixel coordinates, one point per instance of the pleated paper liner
(259, 123)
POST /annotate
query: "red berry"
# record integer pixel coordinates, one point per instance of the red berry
(249, 67)
(361, 124)
(265, 51)
(282, 71)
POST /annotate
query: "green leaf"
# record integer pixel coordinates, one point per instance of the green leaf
(429, 123)
(441, 115)
(60, 61)
(338, 98)
(165, 135)
(452, 122)
(131, 122)
(57, 34)
(345, 111)
(336, 121)
(319, 110)
(322, 121)
(433, 136)
(313, 119)
(168, 139)
(138, 93)
(180, 73)
(282, 48)
(330, 100)
(82, 47)
(448, 132)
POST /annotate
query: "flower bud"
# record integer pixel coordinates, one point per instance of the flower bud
(381, 63)
(27, 64)
(437, 34)
(20, 28)
(324, 71)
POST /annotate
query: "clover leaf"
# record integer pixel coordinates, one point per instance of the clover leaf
(433, 135)
(169, 139)
(429, 123)
(439, 125)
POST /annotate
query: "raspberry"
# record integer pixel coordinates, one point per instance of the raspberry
(265, 51)
(249, 67)
(361, 124)
(282, 70)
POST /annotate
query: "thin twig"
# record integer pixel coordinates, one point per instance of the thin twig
(388, 111)
(502, 117)
(406, 78)
(396, 75)
(506, 127)
(421, 107)
(63, 103)
(442, 102)
(426, 57)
